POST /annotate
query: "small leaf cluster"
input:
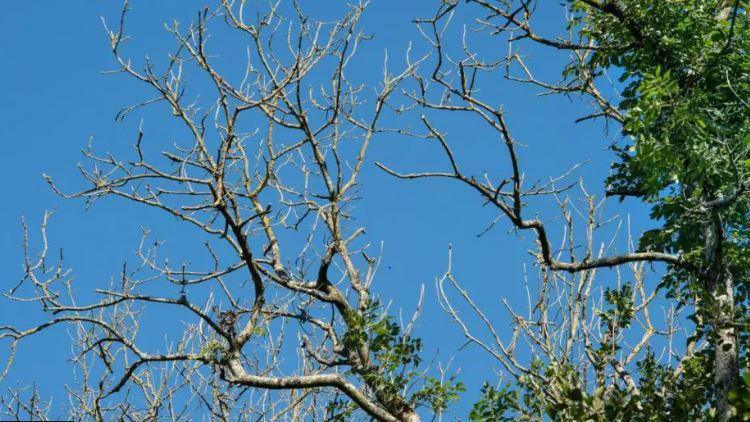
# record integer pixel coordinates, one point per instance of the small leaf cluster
(211, 351)
(397, 358)
(495, 404)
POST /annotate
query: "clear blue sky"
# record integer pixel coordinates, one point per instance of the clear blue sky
(54, 98)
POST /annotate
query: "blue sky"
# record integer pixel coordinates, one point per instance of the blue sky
(55, 99)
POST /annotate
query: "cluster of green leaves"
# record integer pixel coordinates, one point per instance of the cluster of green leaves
(663, 394)
(495, 404)
(549, 391)
(397, 360)
(740, 398)
(211, 351)
(340, 409)
(685, 76)
(563, 395)
(617, 315)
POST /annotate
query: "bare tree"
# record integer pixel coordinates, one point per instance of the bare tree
(270, 174)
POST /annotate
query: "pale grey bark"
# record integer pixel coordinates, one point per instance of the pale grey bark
(720, 284)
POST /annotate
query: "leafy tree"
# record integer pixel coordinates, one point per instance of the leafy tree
(680, 103)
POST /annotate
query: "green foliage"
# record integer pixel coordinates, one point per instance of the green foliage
(662, 394)
(548, 391)
(438, 394)
(616, 316)
(211, 351)
(391, 349)
(495, 405)
(684, 85)
(397, 358)
(740, 399)
(571, 400)
(556, 392)
(620, 313)
(685, 82)
(340, 410)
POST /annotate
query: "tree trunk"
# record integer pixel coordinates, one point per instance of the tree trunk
(726, 354)
(725, 10)
(726, 368)
(724, 338)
